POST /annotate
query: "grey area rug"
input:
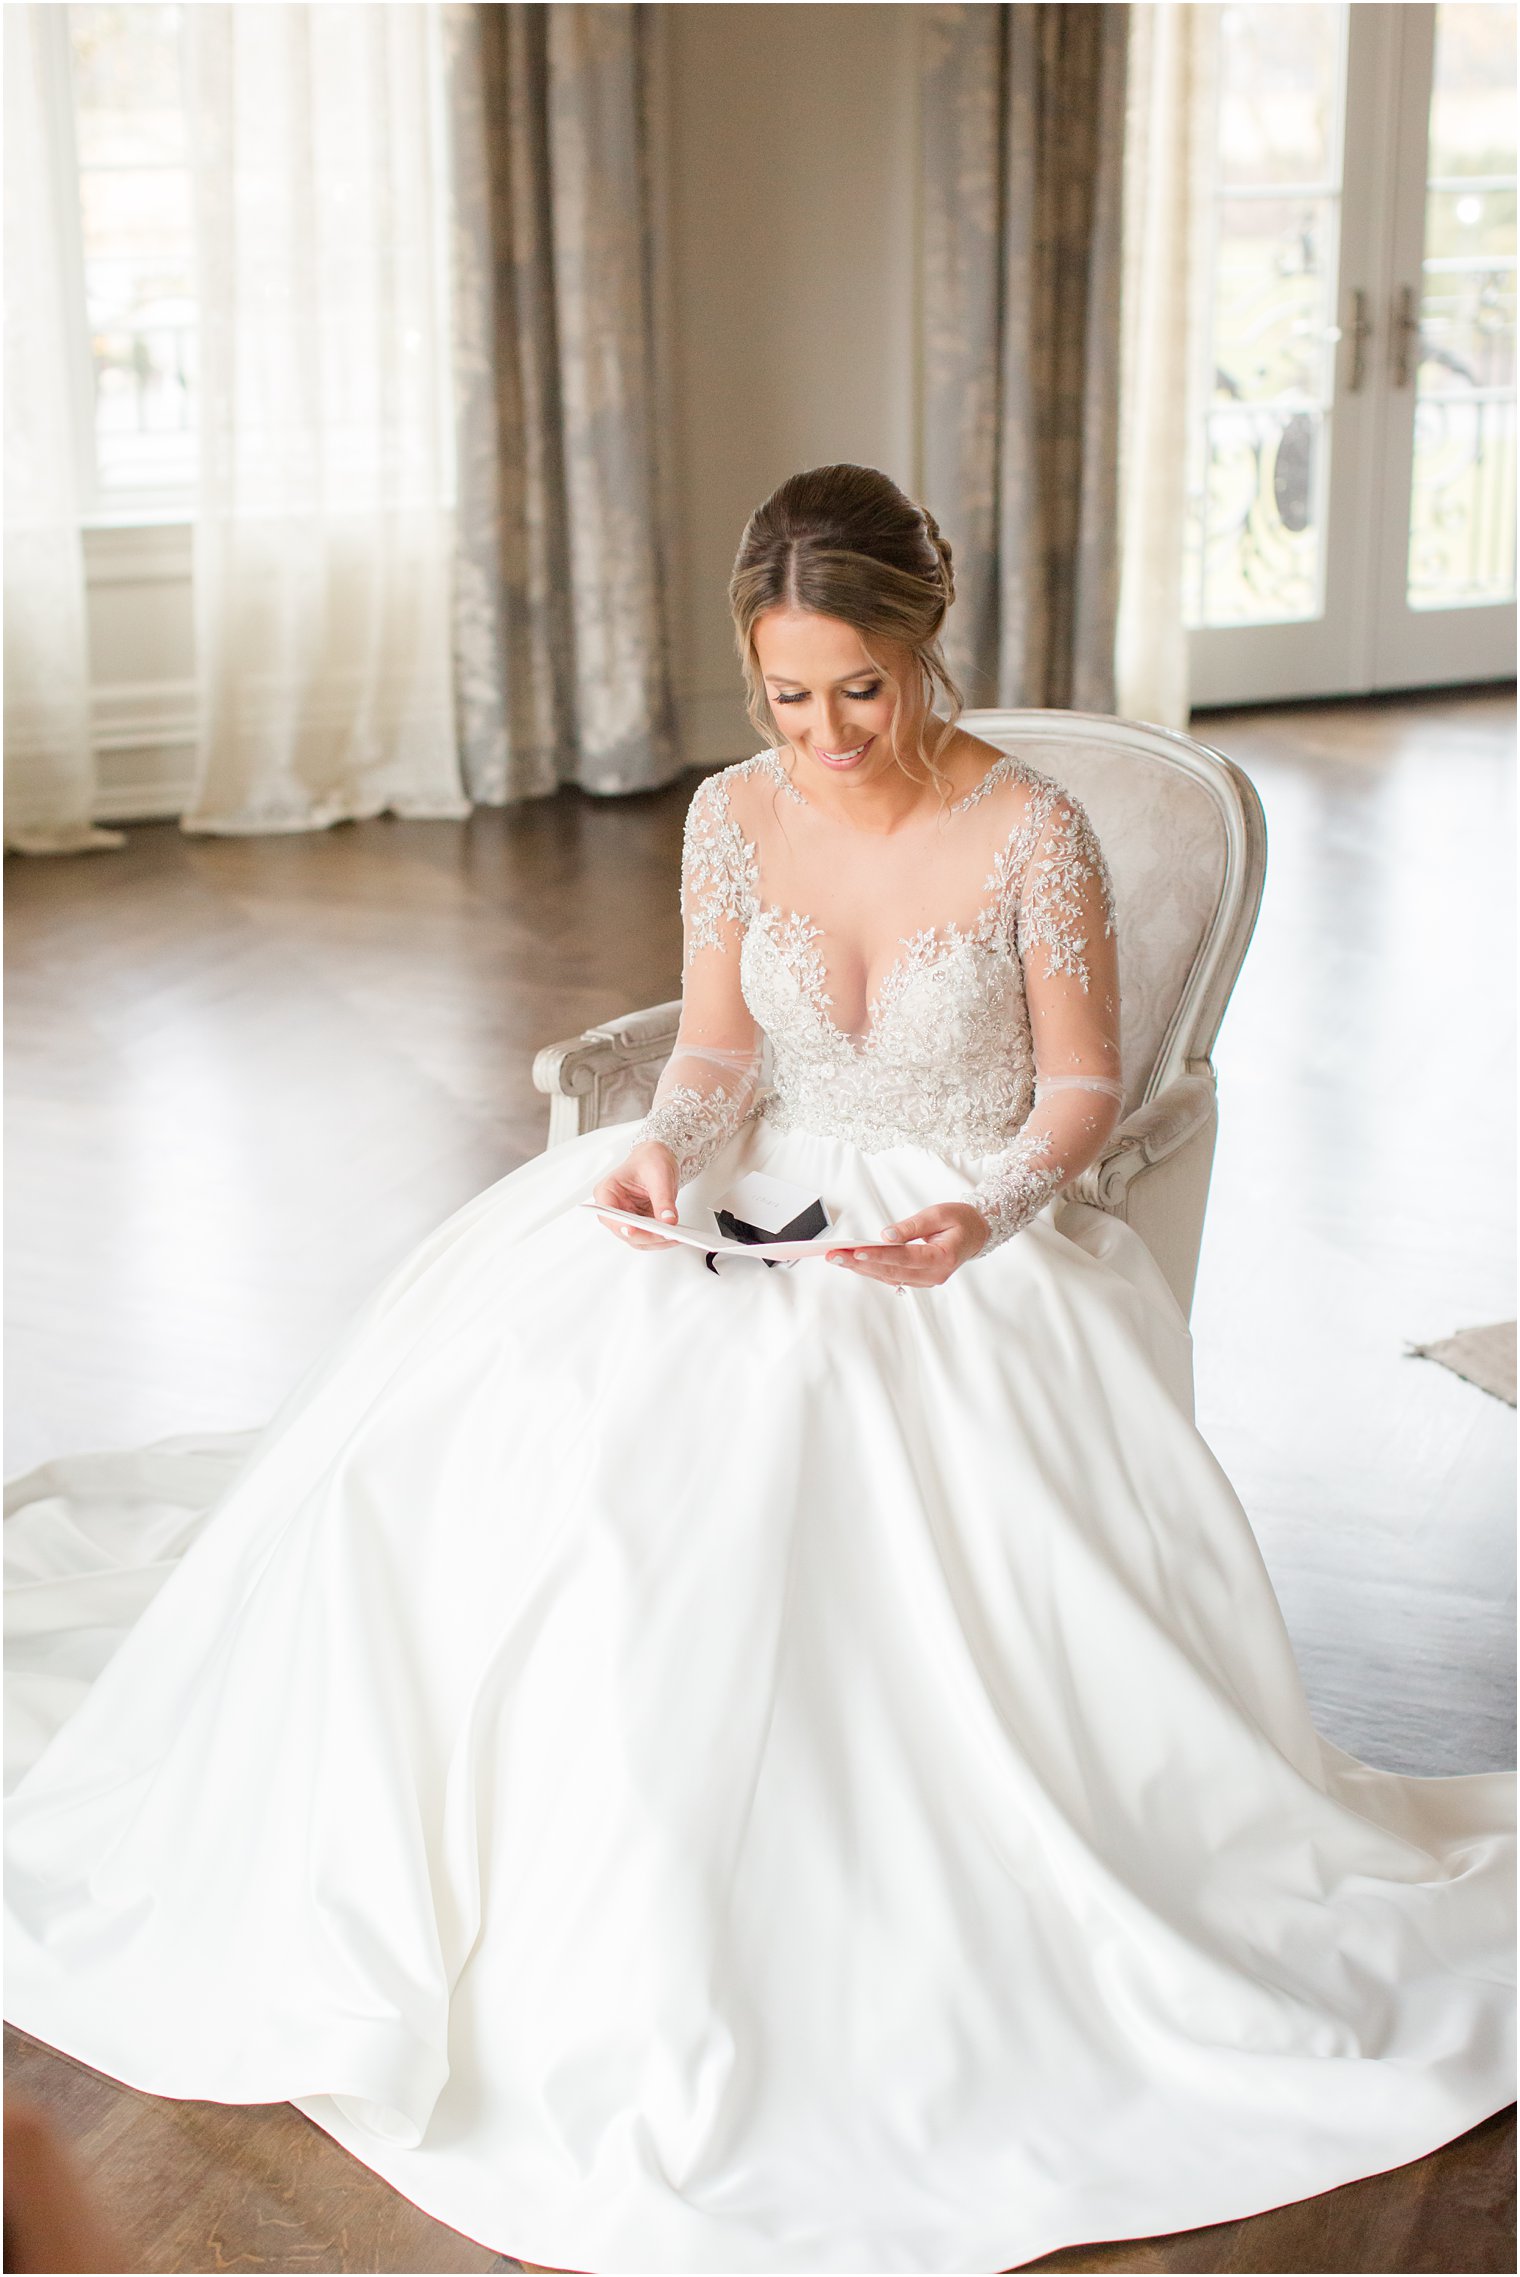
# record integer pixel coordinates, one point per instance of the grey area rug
(1485, 1356)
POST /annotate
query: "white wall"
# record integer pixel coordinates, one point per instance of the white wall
(795, 287)
(142, 666)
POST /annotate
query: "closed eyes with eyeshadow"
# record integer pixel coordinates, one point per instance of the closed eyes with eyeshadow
(855, 695)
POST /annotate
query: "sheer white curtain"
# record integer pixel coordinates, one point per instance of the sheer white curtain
(49, 764)
(323, 539)
(1173, 51)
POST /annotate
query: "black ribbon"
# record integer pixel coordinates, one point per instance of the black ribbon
(803, 1227)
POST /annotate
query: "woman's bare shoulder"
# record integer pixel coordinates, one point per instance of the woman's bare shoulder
(985, 776)
(979, 771)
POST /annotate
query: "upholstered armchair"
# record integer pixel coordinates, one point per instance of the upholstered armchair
(1186, 842)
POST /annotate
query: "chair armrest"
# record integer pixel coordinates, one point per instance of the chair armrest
(607, 1073)
(1147, 1136)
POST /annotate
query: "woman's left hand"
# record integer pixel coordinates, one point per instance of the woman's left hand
(921, 1251)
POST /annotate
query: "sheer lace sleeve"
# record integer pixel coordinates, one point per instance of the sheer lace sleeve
(710, 1083)
(1065, 932)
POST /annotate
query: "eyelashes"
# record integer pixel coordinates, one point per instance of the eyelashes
(856, 695)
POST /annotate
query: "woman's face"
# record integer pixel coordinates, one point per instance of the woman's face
(831, 703)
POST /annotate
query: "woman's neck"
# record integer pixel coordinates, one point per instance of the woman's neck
(880, 804)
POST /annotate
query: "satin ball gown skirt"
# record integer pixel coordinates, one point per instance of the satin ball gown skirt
(720, 1771)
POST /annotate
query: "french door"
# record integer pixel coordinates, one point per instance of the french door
(1351, 487)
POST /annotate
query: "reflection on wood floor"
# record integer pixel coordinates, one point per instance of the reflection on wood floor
(246, 1075)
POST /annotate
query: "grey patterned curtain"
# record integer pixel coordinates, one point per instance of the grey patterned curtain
(564, 520)
(1022, 155)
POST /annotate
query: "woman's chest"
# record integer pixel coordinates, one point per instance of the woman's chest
(944, 993)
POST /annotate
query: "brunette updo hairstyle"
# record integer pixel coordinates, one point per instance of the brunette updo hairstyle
(846, 542)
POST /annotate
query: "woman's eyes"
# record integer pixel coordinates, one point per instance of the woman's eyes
(856, 695)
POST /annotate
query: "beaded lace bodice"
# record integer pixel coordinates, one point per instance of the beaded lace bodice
(992, 1030)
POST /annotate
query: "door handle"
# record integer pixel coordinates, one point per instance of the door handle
(1406, 331)
(1362, 329)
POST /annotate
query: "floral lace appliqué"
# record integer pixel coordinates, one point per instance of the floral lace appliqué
(720, 878)
(693, 1124)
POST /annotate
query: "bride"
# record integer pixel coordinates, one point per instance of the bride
(761, 1768)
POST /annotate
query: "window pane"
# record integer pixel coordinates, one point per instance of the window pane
(135, 211)
(1273, 265)
(127, 84)
(1260, 459)
(137, 228)
(1278, 77)
(1462, 504)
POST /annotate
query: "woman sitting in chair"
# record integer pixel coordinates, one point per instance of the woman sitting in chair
(775, 1770)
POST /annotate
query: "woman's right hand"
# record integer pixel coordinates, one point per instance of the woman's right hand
(644, 1180)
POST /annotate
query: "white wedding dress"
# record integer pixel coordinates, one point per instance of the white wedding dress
(744, 1770)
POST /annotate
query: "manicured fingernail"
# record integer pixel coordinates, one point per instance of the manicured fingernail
(861, 1256)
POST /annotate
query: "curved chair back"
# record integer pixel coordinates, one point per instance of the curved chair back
(1183, 832)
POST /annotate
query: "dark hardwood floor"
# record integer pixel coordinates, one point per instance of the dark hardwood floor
(245, 1075)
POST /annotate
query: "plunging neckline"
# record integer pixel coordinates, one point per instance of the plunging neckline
(923, 948)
